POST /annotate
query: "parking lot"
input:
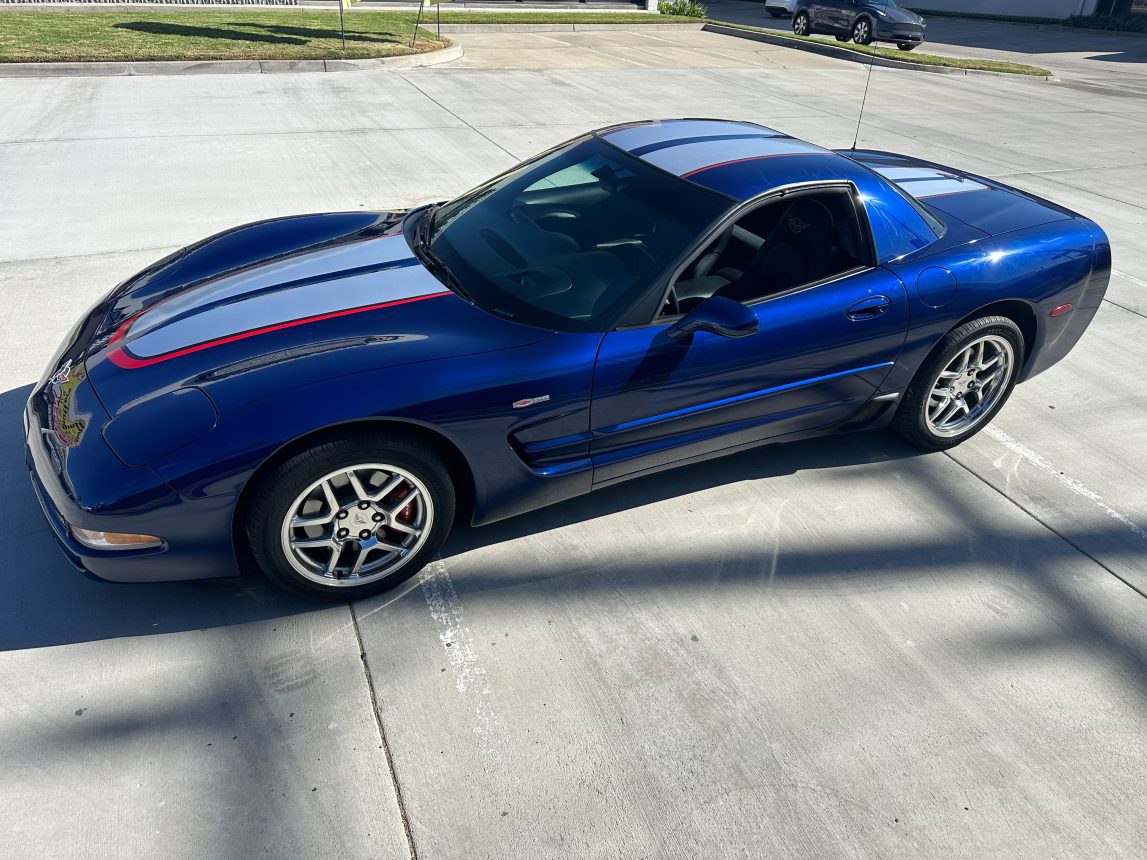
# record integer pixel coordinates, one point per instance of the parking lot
(841, 647)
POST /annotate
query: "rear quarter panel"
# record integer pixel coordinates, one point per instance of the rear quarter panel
(1040, 267)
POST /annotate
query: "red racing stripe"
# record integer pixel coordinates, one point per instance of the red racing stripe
(120, 357)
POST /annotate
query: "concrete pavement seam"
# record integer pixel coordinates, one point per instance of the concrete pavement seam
(460, 119)
(382, 734)
(1046, 525)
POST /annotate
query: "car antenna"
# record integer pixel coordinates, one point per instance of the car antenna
(867, 81)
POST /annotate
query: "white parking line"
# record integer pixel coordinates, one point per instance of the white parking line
(1130, 278)
(1045, 465)
(458, 643)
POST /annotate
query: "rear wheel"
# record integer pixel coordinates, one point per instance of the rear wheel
(963, 385)
(802, 26)
(862, 31)
(351, 517)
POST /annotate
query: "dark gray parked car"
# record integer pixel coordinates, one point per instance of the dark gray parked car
(862, 21)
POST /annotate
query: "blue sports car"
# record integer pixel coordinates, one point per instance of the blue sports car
(319, 396)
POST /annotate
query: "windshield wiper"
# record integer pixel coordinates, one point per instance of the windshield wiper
(430, 259)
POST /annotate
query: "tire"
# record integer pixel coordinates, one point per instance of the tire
(862, 31)
(920, 419)
(802, 26)
(396, 540)
(906, 46)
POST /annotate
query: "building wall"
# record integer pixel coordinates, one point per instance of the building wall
(1030, 8)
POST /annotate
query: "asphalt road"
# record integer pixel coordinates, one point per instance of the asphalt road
(836, 648)
(1084, 58)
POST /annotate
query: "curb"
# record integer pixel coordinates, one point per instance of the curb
(225, 67)
(817, 47)
(568, 27)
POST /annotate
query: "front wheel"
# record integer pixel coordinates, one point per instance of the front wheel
(350, 517)
(963, 385)
(862, 32)
(802, 26)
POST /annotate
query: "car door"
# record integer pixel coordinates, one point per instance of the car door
(843, 12)
(819, 354)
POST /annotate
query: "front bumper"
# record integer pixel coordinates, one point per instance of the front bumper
(912, 34)
(78, 481)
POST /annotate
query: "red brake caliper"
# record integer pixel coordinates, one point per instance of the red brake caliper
(406, 515)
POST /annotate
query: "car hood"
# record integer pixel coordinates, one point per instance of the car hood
(899, 15)
(295, 298)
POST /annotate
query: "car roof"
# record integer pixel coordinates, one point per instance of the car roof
(739, 159)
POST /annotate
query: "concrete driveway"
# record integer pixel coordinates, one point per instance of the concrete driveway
(836, 648)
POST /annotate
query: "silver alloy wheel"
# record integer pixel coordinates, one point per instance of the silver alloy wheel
(800, 26)
(969, 386)
(357, 525)
(860, 32)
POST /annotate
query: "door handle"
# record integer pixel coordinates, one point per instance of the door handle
(866, 309)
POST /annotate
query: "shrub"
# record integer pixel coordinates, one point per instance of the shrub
(686, 8)
(1126, 23)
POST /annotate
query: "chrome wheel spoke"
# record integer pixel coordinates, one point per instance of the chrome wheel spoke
(360, 492)
(393, 484)
(984, 365)
(332, 504)
(360, 538)
(393, 512)
(991, 378)
(333, 562)
(316, 543)
(970, 386)
(360, 560)
(400, 526)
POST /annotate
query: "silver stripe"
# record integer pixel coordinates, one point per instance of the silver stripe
(273, 308)
(694, 156)
(644, 135)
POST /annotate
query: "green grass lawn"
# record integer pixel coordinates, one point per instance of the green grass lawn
(29, 37)
(907, 56)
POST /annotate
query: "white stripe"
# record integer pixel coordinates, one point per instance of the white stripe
(660, 132)
(1128, 277)
(458, 643)
(685, 158)
(1072, 484)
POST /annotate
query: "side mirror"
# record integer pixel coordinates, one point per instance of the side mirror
(717, 315)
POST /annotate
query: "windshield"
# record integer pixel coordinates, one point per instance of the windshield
(569, 240)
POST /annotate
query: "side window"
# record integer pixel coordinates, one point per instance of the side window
(779, 246)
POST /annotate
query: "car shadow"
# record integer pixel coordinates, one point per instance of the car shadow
(49, 603)
(157, 28)
(257, 33)
(752, 465)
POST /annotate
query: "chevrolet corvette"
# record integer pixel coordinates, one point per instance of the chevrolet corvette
(318, 397)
